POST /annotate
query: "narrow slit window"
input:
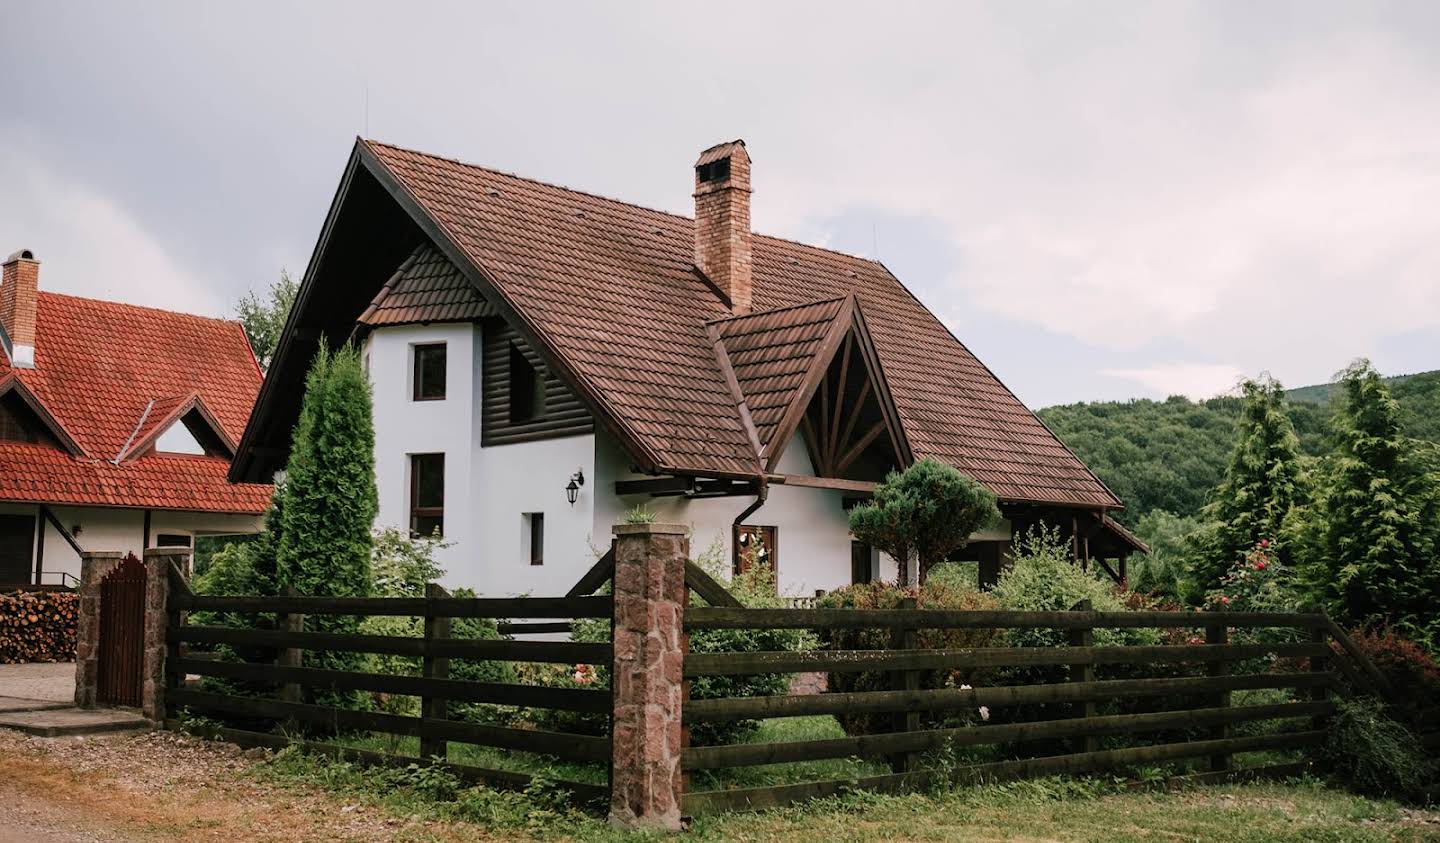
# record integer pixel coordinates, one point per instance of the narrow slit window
(427, 495)
(535, 537)
(429, 377)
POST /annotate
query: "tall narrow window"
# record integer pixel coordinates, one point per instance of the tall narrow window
(429, 374)
(535, 537)
(860, 563)
(755, 546)
(427, 495)
(527, 391)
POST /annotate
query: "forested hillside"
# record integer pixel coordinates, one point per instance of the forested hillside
(1169, 454)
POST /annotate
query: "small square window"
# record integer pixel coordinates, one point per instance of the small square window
(429, 375)
(427, 495)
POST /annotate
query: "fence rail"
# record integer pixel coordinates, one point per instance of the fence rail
(1306, 668)
(280, 673)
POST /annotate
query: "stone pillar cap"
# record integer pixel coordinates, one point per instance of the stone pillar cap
(650, 529)
(167, 551)
(101, 554)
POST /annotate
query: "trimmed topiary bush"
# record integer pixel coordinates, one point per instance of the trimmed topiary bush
(935, 594)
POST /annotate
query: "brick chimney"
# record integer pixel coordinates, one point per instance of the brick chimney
(19, 298)
(722, 221)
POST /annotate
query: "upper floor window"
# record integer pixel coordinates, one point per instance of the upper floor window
(427, 495)
(527, 389)
(535, 537)
(19, 424)
(429, 375)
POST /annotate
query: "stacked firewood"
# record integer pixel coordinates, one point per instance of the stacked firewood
(38, 626)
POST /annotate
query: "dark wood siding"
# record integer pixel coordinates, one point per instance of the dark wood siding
(563, 414)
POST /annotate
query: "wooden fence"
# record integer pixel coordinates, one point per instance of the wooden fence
(1201, 728)
(433, 686)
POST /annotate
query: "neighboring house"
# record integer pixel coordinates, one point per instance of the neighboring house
(117, 425)
(529, 344)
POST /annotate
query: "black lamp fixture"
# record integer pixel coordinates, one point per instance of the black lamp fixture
(572, 489)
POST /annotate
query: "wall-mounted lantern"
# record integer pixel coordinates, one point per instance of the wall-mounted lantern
(572, 489)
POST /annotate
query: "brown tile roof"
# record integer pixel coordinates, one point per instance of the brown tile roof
(426, 288)
(771, 353)
(611, 290)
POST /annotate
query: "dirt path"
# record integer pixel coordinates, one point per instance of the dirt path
(157, 786)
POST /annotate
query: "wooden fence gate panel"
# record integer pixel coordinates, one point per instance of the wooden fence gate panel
(122, 634)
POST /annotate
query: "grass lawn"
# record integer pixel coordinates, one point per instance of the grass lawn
(1048, 809)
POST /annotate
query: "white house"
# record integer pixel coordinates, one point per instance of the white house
(544, 359)
(117, 424)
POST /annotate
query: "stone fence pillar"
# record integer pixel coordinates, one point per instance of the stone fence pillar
(94, 565)
(158, 564)
(648, 676)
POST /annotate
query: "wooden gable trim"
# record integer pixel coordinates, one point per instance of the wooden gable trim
(12, 384)
(536, 339)
(895, 427)
(819, 365)
(849, 330)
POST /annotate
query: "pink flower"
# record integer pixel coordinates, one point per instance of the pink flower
(584, 674)
(1264, 542)
(1224, 600)
(1260, 566)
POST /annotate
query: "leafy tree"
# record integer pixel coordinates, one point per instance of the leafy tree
(264, 319)
(329, 499)
(930, 509)
(1377, 515)
(1260, 487)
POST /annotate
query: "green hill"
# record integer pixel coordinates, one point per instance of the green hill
(1169, 454)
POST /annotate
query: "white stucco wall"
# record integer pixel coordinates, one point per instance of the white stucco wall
(813, 536)
(404, 426)
(100, 528)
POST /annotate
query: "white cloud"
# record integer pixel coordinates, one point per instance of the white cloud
(1193, 380)
(89, 244)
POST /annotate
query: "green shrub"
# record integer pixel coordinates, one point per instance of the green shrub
(1372, 754)
(1411, 671)
(937, 593)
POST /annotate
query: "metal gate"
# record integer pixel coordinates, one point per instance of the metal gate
(122, 633)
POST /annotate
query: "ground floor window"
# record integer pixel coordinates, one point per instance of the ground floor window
(427, 495)
(535, 537)
(861, 563)
(756, 546)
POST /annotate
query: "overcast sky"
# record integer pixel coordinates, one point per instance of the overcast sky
(1101, 200)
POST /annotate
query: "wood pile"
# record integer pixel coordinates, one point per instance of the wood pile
(38, 626)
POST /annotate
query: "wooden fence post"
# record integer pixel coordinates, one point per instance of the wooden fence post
(1083, 637)
(290, 656)
(434, 667)
(648, 676)
(1320, 664)
(1219, 634)
(903, 638)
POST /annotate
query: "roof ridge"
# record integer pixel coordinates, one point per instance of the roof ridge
(811, 303)
(775, 237)
(221, 319)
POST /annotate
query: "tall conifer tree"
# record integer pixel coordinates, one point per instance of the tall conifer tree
(1377, 536)
(1261, 484)
(329, 499)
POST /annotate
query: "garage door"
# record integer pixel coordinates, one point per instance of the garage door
(17, 549)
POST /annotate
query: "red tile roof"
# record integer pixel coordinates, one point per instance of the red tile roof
(98, 366)
(611, 290)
